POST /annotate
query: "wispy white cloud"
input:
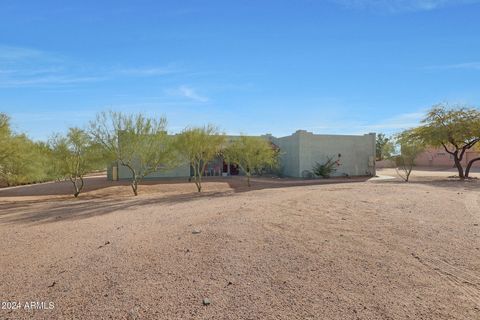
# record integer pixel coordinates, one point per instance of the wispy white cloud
(464, 66)
(29, 72)
(388, 125)
(26, 67)
(396, 6)
(146, 72)
(47, 81)
(399, 122)
(11, 53)
(187, 92)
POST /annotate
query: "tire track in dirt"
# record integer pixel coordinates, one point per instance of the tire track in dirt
(466, 282)
(471, 203)
(471, 281)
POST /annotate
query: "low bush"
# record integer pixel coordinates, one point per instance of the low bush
(307, 174)
(326, 169)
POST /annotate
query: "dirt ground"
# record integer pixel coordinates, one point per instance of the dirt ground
(285, 249)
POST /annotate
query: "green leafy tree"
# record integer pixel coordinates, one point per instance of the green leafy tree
(198, 146)
(74, 156)
(384, 147)
(139, 143)
(21, 160)
(19, 164)
(456, 129)
(4, 139)
(251, 154)
(388, 150)
(41, 161)
(410, 148)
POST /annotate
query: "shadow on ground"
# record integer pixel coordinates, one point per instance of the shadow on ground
(74, 209)
(238, 184)
(59, 188)
(88, 205)
(446, 183)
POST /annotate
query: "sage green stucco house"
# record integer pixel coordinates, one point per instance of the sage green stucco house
(298, 153)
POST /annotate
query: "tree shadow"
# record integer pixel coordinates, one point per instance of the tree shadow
(55, 210)
(65, 188)
(239, 184)
(75, 209)
(447, 183)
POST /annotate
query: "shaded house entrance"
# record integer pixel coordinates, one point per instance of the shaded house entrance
(230, 169)
(219, 167)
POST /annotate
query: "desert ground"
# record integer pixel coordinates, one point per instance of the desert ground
(358, 248)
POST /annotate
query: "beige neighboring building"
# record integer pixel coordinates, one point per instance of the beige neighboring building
(298, 154)
(438, 157)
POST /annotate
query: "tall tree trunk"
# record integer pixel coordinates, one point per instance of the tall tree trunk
(135, 186)
(408, 172)
(469, 166)
(458, 164)
(77, 187)
(77, 192)
(198, 180)
(248, 179)
(134, 183)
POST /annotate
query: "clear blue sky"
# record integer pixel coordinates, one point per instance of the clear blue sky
(331, 66)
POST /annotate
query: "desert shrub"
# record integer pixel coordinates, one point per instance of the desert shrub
(409, 150)
(307, 174)
(326, 169)
(278, 171)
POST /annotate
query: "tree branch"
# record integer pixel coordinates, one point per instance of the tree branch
(471, 143)
(446, 149)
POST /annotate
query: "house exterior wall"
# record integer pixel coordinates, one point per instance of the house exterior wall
(356, 152)
(387, 163)
(181, 171)
(289, 154)
(299, 152)
(438, 157)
